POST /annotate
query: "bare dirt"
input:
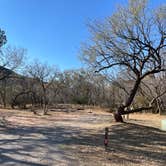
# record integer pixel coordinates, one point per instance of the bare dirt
(75, 137)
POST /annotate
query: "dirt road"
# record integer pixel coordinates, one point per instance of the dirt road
(75, 138)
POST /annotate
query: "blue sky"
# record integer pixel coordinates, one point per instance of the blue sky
(52, 30)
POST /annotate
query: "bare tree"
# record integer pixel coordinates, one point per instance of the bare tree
(44, 76)
(11, 58)
(154, 89)
(131, 39)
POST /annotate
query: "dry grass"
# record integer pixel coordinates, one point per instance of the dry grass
(76, 138)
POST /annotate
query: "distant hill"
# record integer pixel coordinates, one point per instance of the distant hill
(6, 71)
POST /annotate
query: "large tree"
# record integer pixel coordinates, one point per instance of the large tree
(133, 39)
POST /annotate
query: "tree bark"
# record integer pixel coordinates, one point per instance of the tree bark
(118, 117)
(121, 110)
(133, 92)
(136, 110)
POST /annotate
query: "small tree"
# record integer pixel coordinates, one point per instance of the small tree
(131, 39)
(44, 76)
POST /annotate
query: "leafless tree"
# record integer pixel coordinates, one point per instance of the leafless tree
(11, 59)
(131, 39)
(44, 75)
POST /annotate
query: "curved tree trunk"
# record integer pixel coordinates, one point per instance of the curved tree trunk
(118, 117)
(132, 93)
(121, 110)
(14, 100)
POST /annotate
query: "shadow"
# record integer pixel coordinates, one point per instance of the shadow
(21, 144)
(137, 142)
(128, 144)
(11, 161)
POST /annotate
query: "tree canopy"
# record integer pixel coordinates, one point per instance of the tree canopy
(132, 39)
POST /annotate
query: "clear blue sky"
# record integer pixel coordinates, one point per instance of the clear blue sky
(52, 30)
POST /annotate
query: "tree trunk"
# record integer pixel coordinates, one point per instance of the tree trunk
(121, 110)
(3, 97)
(135, 110)
(45, 110)
(118, 117)
(45, 102)
(132, 93)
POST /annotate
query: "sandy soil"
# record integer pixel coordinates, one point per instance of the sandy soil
(73, 138)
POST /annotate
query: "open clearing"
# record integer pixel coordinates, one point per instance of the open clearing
(76, 138)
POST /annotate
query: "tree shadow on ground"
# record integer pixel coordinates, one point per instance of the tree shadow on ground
(136, 142)
(128, 144)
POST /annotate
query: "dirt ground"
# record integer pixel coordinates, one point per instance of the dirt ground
(75, 138)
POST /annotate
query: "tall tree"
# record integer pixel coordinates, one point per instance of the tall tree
(134, 39)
